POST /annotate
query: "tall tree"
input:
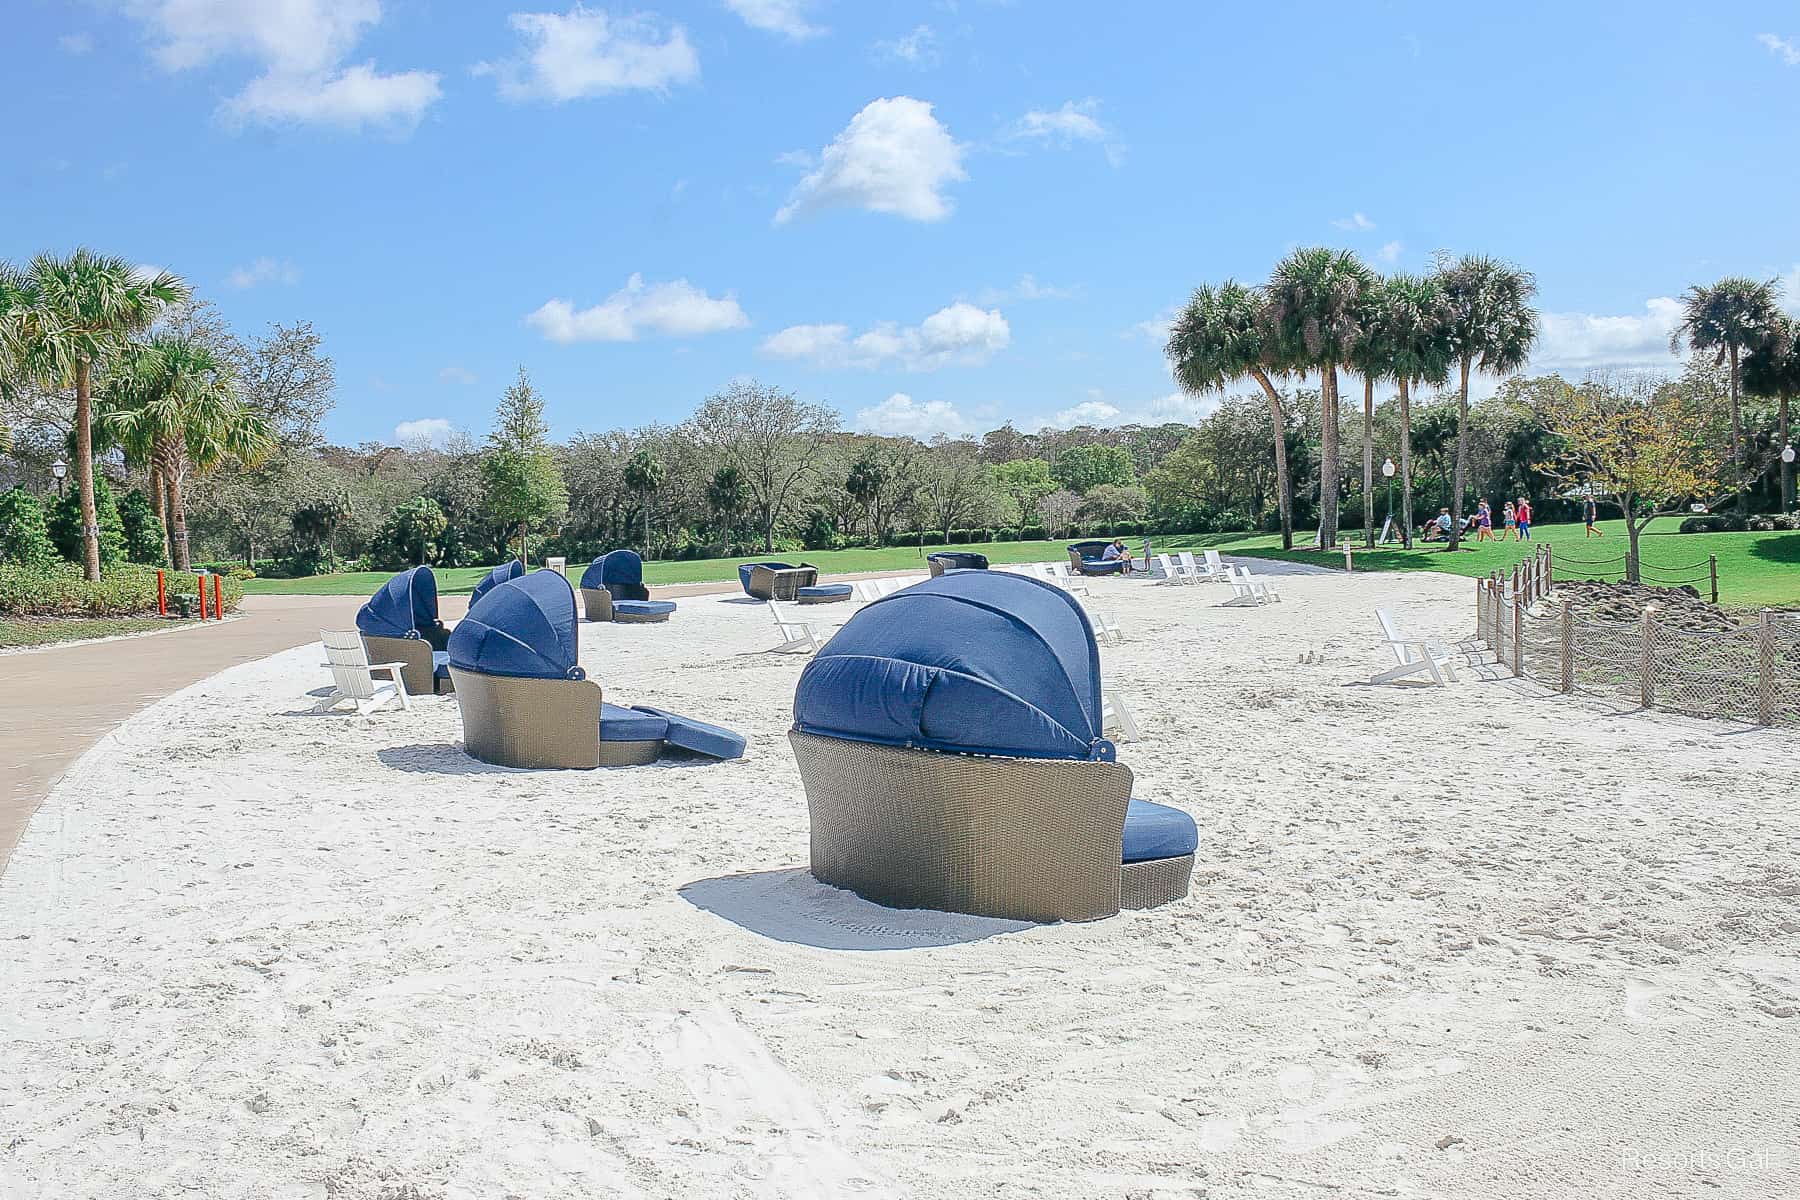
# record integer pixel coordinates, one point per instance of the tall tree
(644, 473)
(1416, 336)
(1492, 325)
(727, 497)
(1371, 357)
(69, 318)
(772, 437)
(1025, 481)
(1773, 370)
(1728, 320)
(1315, 302)
(524, 484)
(1224, 334)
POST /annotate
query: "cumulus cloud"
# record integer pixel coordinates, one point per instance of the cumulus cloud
(1586, 341)
(1390, 252)
(1073, 122)
(1786, 49)
(1097, 411)
(1156, 329)
(918, 48)
(263, 270)
(894, 157)
(1356, 222)
(959, 335)
(301, 46)
(455, 374)
(677, 309)
(434, 430)
(786, 17)
(902, 416)
(585, 52)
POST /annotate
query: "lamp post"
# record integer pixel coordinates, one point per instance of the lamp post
(1387, 470)
(60, 470)
(1787, 472)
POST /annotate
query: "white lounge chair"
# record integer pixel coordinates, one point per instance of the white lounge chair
(796, 633)
(353, 675)
(1116, 721)
(868, 589)
(1216, 569)
(1262, 583)
(1106, 629)
(1245, 593)
(1067, 580)
(1413, 656)
(1171, 571)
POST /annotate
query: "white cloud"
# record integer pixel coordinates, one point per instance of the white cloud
(455, 374)
(902, 416)
(263, 270)
(76, 43)
(918, 48)
(677, 309)
(301, 46)
(586, 52)
(435, 430)
(1073, 122)
(1390, 252)
(893, 157)
(1156, 329)
(958, 335)
(786, 17)
(1176, 406)
(1786, 49)
(1355, 222)
(1028, 288)
(1585, 341)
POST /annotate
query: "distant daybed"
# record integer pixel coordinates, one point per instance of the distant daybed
(776, 580)
(400, 624)
(612, 589)
(955, 560)
(1085, 559)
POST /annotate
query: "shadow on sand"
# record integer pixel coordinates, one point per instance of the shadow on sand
(441, 758)
(792, 906)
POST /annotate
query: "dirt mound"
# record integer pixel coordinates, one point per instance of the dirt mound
(1681, 606)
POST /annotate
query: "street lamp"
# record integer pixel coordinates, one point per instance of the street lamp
(1787, 467)
(1387, 469)
(60, 470)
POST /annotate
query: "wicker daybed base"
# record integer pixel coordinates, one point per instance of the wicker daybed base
(539, 723)
(766, 583)
(415, 654)
(1156, 882)
(596, 604)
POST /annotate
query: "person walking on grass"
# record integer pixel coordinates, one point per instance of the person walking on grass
(1512, 522)
(1523, 512)
(1484, 522)
(1590, 512)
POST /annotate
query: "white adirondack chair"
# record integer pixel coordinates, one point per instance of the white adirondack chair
(1245, 592)
(1216, 568)
(1262, 583)
(796, 633)
(1067, 580)
(353, 675)
(1106, 628)
(1116, 721)
(1171, 571)
(868, 589)
(1413, 656)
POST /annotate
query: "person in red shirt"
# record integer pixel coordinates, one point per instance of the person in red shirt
(1523, 511)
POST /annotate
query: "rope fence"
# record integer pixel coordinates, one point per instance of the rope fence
(1748, 674)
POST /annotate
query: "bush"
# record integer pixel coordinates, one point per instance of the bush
(24, 538)
(60, 591)
(142, 528)
(1715, 523)
(64, 524)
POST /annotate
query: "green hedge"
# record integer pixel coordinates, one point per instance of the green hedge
(124, 591)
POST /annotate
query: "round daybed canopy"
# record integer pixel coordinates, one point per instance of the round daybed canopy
(400, 624)
(506, 572)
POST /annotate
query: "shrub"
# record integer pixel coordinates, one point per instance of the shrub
(142, 528)
(24, 538)
(1715, 523)
(64, 523)
(128, 590)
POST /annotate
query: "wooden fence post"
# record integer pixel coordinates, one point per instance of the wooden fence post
(1518, 631)
(1567, 679)
(1712, 562)
(1765, 668)
(1499, 624)
(1549, 565)
(1646, 664)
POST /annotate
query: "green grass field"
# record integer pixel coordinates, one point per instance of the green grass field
(15, 633)
(1755, 569)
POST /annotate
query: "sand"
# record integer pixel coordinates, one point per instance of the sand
(1472, 942)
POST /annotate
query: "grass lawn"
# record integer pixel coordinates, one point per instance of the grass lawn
(1755, 569)
(48, 630)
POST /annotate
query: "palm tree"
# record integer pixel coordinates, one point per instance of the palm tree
(727, 495)
(1223, 335)
(1773, 369)
(1416, 336)
(1729, 319)
(1315, 302)
(173, 404)
(1372, 359)
(70, 318)
(1487, 306)
(643, 475)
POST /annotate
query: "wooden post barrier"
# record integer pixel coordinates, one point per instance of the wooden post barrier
(162, 594)
(1518, 632)
(1712, 563)
(1646, 664)
(200, 580)
(1567, 679)
(1765, 668)
(218, 597)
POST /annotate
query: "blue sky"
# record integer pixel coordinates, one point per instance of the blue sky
(933, 216)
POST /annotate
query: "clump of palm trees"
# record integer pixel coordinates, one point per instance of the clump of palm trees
(1322, 310)
(75, 322)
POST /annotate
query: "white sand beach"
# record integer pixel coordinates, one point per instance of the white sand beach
(1468, 942)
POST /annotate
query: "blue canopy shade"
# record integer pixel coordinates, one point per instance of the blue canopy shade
(406, 606)
(523, 628)
(494, 578)
(981, 662)
(615, 566)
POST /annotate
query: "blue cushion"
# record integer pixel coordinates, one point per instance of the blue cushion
(714, 741)
(1102, 566)
(440, 663)
(629, 725)
(1155, 831)
(642, 608)
(824, 589)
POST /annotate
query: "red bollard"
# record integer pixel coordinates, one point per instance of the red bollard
(218, 597)
(201, 580)
(162, 595)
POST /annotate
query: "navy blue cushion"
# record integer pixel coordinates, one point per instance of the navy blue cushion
(714, 741)
(984, 662)
(1157, 831)
(406, 606)
(744, 570)
(440, 664)
(959, 560)
(1102, 566)
(523, 628)
(629, 725)
(642, 608)
(503, 573)
(824, 589)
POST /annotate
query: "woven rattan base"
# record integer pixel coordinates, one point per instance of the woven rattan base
(1156, 882)
(534, 723)
(416, 654)
(596, 604)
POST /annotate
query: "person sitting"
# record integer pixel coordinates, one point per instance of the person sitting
(1438, 528)
(1116, 552)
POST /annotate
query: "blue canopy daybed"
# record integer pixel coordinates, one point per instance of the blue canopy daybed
(504, 573)
(955, 560)
(1084, 559)
(400, 624)
(612, 589)
(776, 580)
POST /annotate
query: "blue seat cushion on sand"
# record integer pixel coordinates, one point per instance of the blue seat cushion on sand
(698, 737)
(642, 608)
(1154, 831)
(619, 724)
(824, 589)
